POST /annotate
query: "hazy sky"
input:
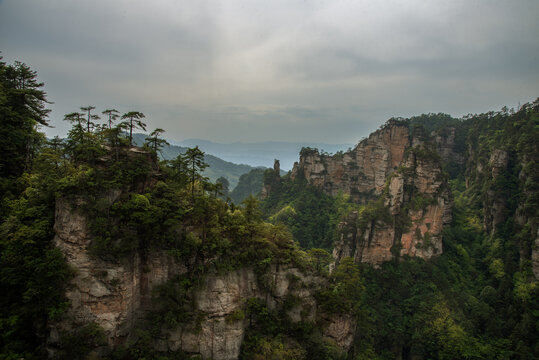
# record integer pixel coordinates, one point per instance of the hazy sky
(323, 71)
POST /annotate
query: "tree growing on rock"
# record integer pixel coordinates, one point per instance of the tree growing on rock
(112, 115)
(91, 118)
(194, 158)
(132, 121)
(154, 141)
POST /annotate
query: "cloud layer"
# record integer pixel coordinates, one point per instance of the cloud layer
(325, 71)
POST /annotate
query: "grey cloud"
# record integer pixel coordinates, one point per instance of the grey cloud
(326, 71)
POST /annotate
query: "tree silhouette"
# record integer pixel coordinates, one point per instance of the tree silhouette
(112, 115)
(74, 117)
(154, 142)
(91, 117)
(77, 131)
(133, 122)
(22, 110)
(194, 157)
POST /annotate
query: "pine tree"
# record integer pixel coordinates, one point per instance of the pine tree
(133, 122)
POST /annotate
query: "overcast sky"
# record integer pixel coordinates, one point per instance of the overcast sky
(322, 71)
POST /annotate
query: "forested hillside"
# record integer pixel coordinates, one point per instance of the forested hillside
(478, 299)
(108, 252)
(217, 167)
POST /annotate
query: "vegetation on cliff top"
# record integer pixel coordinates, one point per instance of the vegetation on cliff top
(478, 300)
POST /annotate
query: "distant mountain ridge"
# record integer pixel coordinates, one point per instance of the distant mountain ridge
(217, 166)
(260, 153)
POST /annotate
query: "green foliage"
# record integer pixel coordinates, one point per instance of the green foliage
(22, 111)
(237, 315)
(477, 300)
(132, 122)
(32, 276)
(421, 202)
(434, 122)
(271, 335)
(174, 303)
(81, 342)
(154, 141)
(216, 167)
(224, 186)
(33, 273)
(308, 151)
(344, 294)
(249, 184)
(426, 154)
(309, 213)
(321, 259)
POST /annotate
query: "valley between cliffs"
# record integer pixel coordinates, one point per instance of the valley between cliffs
(164, 266)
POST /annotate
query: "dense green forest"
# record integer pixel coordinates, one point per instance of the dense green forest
(249, 184)
(477, 300)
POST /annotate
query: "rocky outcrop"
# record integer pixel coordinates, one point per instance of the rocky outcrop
(111, 295)
(340, 328)
(271, 180)
(115, 295)
(402, 168)
(492, 171)
(418, 205)
(222, 298)
(361, 172)
(446, 145)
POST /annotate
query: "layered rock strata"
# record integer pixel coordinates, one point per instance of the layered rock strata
(406, 172)
(116, 295)
(111, 295)
(362, 172)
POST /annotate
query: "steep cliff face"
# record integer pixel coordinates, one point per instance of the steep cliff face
(115, 295)
(362, 172)
(111, 295)
(404, 172)
(446, 144)
(502, 167)
(221, 333)
(416, 206)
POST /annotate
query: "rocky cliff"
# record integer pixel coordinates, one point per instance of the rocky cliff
(362, 172)
(502, 175)
(112, 295)
(222, 297)
(118, 295)
(397, 175)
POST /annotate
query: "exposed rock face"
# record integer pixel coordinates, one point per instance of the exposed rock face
(446, 144)
(341, 329)
(112, 295)
(362, 172)
(407, 173)
(220, 335)
(271, 178)
(415, 228)
(116, 295)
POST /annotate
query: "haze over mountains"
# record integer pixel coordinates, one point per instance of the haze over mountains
(238, 158)
(260, 153)
(217, 167)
